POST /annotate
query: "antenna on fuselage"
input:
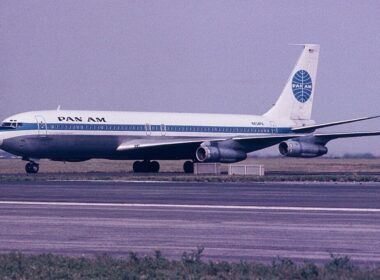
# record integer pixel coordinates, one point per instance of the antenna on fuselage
(59, 107)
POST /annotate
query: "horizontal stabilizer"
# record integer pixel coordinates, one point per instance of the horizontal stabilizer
(311, 128)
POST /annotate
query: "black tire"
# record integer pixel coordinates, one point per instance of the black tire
(28, 168)
(35, 168)
(154, 166)
(188, 167)
(32, 168)
(137, 167)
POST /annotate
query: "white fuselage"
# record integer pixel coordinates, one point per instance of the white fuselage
(75, 134)
(64, 122)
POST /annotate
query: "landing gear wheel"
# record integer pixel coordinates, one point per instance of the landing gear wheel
(32, 168)
(154, 166)
(188, 167)
(138, 166)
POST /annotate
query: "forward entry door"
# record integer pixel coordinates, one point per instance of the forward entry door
(41, 124)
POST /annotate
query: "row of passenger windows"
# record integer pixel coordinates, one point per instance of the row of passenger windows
(158, 128)
(97, 127)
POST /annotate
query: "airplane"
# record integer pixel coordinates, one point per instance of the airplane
(72, 136)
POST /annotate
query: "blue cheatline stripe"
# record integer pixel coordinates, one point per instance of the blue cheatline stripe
(154, 128)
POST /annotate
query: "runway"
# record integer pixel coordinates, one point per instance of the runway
(256, 221)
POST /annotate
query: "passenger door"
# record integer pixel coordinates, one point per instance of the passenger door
(273, 127)
(42, 126)
(163, 129)
(148, 129)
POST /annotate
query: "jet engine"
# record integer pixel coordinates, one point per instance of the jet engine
(216, 153)
(301, 149)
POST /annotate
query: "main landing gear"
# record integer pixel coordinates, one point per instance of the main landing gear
(154, 166)
(32, 167)
(146, 166)
(188, 167)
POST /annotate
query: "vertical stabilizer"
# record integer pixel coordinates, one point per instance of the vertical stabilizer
(296, 99)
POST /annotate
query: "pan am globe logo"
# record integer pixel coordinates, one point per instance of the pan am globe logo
(302, 86)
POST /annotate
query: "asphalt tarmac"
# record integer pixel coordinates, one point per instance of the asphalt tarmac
(255, 221)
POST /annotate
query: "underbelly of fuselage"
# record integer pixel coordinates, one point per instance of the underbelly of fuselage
(83, 147)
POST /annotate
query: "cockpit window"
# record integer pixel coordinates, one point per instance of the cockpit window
(6, 124)
(11, 124)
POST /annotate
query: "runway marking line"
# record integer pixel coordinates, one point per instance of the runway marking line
(116, 181)
(195, 206)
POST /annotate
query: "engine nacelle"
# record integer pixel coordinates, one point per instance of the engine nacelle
(207, 153)
(301, 149)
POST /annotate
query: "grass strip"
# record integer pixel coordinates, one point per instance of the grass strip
(187, 178)
(190, 266)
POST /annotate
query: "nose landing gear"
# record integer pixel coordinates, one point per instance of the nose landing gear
(32, 167)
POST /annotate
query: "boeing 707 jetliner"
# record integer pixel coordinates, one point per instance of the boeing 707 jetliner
(64, 135)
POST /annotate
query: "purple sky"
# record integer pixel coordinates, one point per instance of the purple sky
(190, 56)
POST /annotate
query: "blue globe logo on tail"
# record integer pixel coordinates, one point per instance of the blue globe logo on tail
(302, 86)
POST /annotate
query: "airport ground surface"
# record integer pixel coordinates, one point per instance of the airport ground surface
(251, 221)
(274, 165)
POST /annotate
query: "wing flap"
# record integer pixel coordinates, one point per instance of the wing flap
(267, 137)
(326, 137)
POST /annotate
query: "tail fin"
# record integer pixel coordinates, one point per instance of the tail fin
(296, 99)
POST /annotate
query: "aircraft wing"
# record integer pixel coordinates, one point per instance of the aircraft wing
(139, 144)
(158, 147)
(247, 139)
(311, 128)
(254, 143)
(323, 138)
(250, 142)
